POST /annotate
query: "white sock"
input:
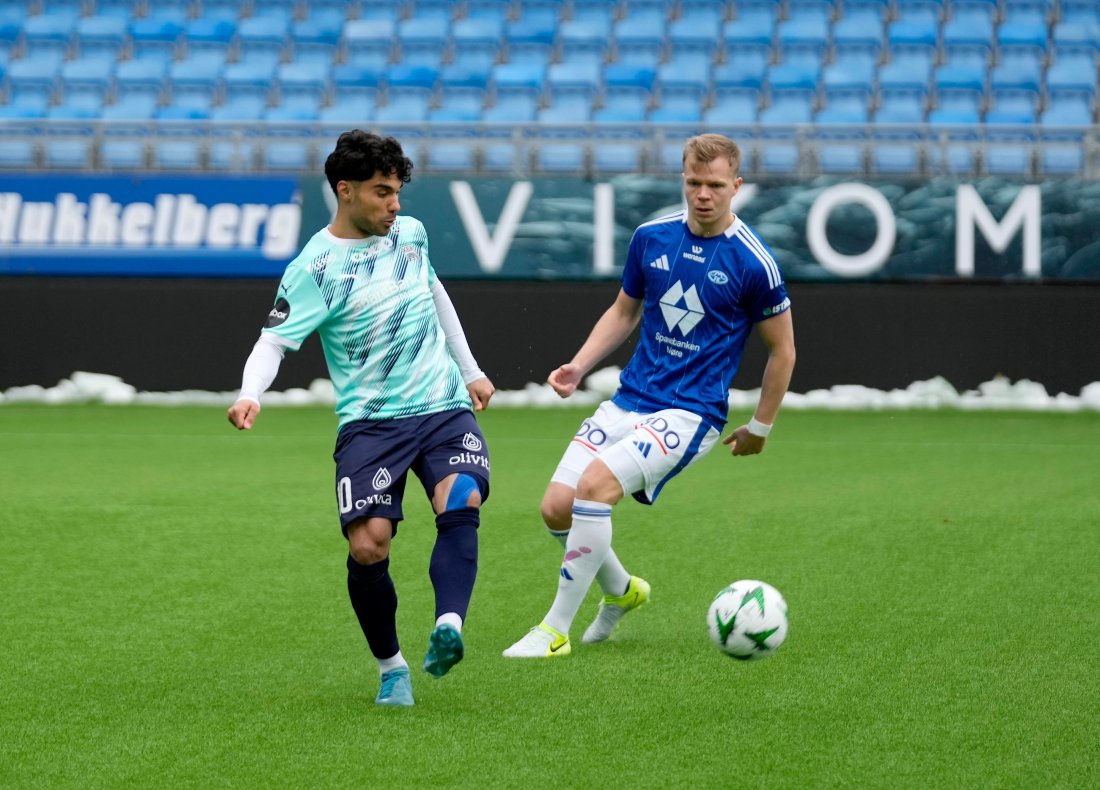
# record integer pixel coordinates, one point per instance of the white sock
(613, 577)
(395, 661)
(451, 619)
(585, 551)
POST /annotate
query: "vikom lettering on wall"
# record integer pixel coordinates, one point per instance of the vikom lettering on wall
(148, 226)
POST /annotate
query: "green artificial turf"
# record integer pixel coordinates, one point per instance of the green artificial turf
(174, 611)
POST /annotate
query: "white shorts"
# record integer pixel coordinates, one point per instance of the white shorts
(643, 451)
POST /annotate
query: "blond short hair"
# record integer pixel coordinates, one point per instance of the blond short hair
(708, 147)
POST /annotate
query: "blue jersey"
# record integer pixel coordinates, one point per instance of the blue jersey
(701, 298)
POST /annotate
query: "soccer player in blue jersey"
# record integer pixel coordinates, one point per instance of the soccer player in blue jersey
(698, 281)
(405, 384)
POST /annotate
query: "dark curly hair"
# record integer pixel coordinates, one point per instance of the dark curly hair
(359, 155)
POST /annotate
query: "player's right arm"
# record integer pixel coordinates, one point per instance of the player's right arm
(610, 331)
(259, 371)
(299, 309)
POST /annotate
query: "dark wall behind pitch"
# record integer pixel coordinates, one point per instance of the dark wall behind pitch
(167, 334)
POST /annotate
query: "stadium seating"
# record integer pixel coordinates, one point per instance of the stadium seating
(761, 67)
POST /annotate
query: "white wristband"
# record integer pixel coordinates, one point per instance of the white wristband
(757, 428)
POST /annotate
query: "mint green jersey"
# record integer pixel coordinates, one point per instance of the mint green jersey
(370, 301)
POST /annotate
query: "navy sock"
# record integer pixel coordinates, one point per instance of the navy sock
(374, 600)
(453, 566)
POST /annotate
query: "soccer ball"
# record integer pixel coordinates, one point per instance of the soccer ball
(747, 620)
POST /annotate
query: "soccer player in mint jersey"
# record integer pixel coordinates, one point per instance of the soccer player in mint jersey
(698, 281)
(406, 384)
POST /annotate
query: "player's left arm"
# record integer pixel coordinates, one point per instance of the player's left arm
(777, 333)
(481, 389)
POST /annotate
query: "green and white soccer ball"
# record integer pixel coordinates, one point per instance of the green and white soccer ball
(748, 619)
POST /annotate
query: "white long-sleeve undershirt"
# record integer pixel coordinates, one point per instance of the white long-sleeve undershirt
(456, 338)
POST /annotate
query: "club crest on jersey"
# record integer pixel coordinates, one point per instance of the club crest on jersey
(684, 318)
(471, 442)
(411, 253)
(381, 479)
(717, 277)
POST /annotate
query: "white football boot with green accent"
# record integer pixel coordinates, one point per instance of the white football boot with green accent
(542, 641)
(612, 609)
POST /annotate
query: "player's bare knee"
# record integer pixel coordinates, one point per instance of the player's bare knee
(598, 484)
(369, 540)
(556, 512)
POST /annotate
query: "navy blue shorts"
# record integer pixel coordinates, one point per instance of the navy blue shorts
(373, 459)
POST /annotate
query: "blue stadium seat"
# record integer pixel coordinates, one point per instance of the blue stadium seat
(557, 157)
(695, 32)
(17, 154)
(1011, 108)
(568, 109)
(87, 80)
(266, 32)
(405, 107)
(779, 155)
(788, 107)
(518, 78)
(1024, 32)
(850, 108)
(249, 79)
(140, 78)
(913, 27)
(741, 70)
(33, 80)
(616, 157)
(952, 150)
(469, 72)
(66, 154)
(733, 109)
(358, 111)
(635, 79)
(293, 155)
(860, 28)
(802, 74)
(242, 108)
(231, 155)
(1072, 72)
(209, 34)
(452, 156)
(956, 106)
(196, 81)
(643, 30)
(534, 26)
(176, 154)
(909, 70)
(308, 79)
(895, 152)
(901, 107)
(370, 37)
(678, 108)
(424, 34)
(1068, 110)
(476, 32)
(155, 35)
(808, 31)
(1009, 151)
(124, 146)
(853, 75)
(842, 153)
(317, 37)
(101, 35)
(580, 76)
(752, 29)
(585, 34)
(623, 108)
(686, 73)
(130, 108)
(517, 109)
